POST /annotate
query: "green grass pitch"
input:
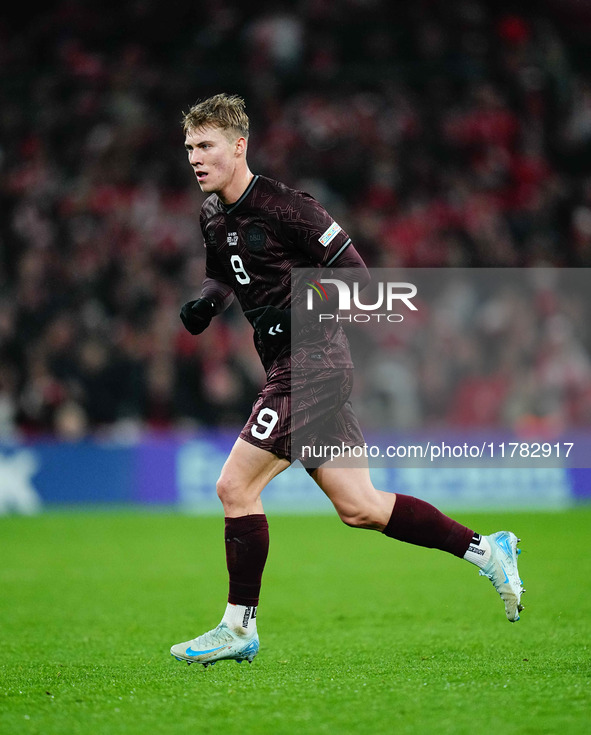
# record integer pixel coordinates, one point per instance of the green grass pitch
(359, 634)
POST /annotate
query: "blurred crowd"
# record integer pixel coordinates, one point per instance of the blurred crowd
(438, 133)
(486, 349)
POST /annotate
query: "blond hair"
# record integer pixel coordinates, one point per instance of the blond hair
(222, 111)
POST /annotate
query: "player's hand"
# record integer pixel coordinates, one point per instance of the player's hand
(271, 324)
(196, 315)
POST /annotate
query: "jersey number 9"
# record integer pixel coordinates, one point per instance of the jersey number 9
(239, 270)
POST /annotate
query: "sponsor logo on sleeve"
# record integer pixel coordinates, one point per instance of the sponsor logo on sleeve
(330, 234)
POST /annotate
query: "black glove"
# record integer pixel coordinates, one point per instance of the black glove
(271, 324)
(196, 315)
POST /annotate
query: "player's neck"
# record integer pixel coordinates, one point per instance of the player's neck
(236, 187)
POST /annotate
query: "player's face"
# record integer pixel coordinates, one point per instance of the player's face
(214, 158)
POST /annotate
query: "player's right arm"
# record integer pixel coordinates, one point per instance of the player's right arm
(216, 296)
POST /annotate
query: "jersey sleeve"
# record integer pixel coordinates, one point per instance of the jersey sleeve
(213, 268)
(314, 232)
(348, 267)
(220, 295)
(215, 285)
(328, 247)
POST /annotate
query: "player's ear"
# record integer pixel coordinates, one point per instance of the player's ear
(241, 144)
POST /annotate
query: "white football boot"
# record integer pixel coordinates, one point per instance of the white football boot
(502, 571)
(220, 644)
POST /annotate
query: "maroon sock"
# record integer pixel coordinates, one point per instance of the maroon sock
(247, 544)
(420, 523)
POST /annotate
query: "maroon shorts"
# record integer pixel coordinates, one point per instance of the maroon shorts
(304, 410)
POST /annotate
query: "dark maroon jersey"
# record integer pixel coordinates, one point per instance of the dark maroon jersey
(253, 245)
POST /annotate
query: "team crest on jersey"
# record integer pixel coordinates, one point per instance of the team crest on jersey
(255, 238)
(232, 239)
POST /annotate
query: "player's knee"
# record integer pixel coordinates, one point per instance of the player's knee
(227, 489)
(358, 518)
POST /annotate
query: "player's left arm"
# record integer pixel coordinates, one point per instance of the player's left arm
(328, 248)
(312, 231)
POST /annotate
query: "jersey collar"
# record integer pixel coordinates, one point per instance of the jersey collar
(230, 208)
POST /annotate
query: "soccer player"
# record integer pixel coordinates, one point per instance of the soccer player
(256, 230)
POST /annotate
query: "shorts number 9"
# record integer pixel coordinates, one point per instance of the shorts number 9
(265, 423)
